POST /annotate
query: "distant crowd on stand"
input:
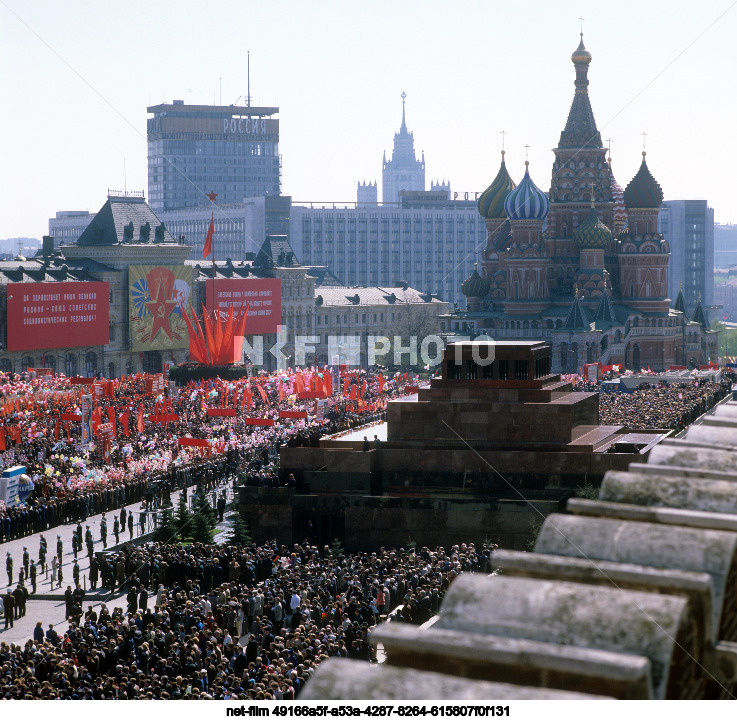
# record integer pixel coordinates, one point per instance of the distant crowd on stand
(658, 405)
(231, 621)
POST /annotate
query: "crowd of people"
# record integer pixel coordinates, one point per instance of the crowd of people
(658, 405)
(229, 621)
(71, 482)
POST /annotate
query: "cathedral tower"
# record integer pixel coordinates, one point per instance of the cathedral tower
(642, 253)
(580, 170)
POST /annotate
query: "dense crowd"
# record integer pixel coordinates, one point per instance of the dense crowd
(289, 608)
(71, 482)
(657, 405)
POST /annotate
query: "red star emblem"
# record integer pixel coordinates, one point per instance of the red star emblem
(161, 309)
(212, 195)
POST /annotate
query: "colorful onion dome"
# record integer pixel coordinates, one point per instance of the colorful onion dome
(592, 233)
(474, 286)
(580, 54)
(491, 202)
(620, 211)
(643, 190)
(527, 201)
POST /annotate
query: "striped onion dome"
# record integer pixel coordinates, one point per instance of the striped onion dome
(592, 233)
(474, 286)
(527, 201)
(620, 210)
(491, 202)
(643, 190)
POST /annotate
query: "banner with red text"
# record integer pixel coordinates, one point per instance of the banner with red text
(57, 315)
(261, 295)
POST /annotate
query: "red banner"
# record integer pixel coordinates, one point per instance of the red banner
(79, 381)
(57, 315)
(221, 412)
(198, 442)
(155, 384)
(411, 389)
(71, 416)
(261, 295)
(259, 421)
(308, 395)
(164, 418)
(292, 414)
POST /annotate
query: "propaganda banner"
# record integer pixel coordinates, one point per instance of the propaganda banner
(262, 296)
(157, 296)
(57, 315)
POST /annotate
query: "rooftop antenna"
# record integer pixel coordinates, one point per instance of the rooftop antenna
(503, 134)
(125, 179)
(221, 91)
(644, 138)
(248, 96)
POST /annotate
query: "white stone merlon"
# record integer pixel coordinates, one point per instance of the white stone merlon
(344, 680)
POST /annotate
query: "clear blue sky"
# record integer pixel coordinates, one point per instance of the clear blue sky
(79, 75)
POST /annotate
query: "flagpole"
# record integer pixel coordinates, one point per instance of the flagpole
(212, 195)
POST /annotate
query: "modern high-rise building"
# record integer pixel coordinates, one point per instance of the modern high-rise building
(688, 225)
(197, 149)
(68, 226)
(403, 171)
(725, 245)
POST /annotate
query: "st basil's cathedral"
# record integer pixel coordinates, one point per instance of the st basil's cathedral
(582, 266)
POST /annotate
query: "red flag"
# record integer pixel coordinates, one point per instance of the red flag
(281, 391)
(263, 393)
(124, 423)
(381, 383)
(354, 393)
(139, 420)
(327, 383)
(208, 240)
(299, 382)
(363, 388)
(346, 385)
(56, 433)
(111, 418)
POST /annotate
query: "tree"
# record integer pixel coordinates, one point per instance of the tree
(239, 533)
(336, 548)
(413, 323)
(727, 339)
(203, 508)
(167, 530)
(202, 532)
(183, 519)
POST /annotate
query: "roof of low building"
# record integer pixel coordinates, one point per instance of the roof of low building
(355, 297)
